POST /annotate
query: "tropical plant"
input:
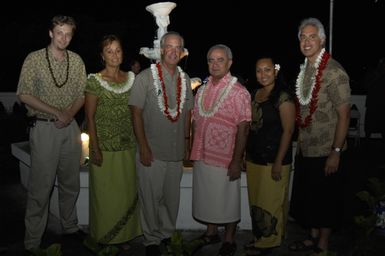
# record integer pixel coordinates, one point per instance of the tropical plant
(100, 250)
(368, 222)
(179, 247)
(52, 250)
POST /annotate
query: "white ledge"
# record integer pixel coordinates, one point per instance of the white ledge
(185, 220)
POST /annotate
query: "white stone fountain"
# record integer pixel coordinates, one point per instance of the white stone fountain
(161, 13)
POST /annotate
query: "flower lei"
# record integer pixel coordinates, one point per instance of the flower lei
(220, 99)
(116, 89)
(312, 97)
(172, 114)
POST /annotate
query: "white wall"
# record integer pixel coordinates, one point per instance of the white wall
(359, 101)
(185, 220)
(8, 99)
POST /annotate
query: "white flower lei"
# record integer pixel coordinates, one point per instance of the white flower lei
(304, 100)
(121, 89)
(220, 99)
(173, 111)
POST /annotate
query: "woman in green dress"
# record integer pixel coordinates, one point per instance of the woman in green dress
(114, 210)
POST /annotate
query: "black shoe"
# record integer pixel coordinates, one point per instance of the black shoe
(27, 253)
(227, 249)
(32, 252)
(166, 241)
(153, 250)
(79, 235)
(164, 246)
(3, 250)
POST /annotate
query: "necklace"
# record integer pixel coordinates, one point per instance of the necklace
(312, 97)
(305, 99)
(118, 88)
(51, 71)
(172, 114)
(214, 108)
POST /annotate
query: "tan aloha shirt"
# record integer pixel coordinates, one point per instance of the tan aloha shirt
(316, 140)
(36, 79)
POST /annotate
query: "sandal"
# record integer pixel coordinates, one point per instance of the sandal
(249, 245)
(208, 239)
(303, 245)
(227, 249)
(124, 247)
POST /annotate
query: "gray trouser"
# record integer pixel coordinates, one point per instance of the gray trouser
(54, 153)
(159, 193)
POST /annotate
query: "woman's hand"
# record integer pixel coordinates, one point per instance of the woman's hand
(96, 157)
(276, 172)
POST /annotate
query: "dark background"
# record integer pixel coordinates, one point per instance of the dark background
(249, 28)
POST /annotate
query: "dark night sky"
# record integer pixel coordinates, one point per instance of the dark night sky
(250, 29)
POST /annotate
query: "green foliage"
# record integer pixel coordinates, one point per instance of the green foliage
(175, 248)
(372, 197)
(100, 250)
(52, 250)
(368, 242)
(178, 246)
(327, 253)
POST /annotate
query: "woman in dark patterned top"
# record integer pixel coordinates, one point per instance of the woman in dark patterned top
(269, 157)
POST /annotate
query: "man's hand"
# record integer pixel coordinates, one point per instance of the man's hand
(234, 171)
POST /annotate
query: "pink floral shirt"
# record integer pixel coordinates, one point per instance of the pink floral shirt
(214, 136)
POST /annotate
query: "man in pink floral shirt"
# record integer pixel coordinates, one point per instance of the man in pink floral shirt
(221, 119)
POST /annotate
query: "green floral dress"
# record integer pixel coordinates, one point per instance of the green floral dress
(114, 209)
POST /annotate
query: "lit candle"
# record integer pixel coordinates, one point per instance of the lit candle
(85, 149)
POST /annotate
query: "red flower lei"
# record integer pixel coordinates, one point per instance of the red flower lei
(165, 98)
(314, 96)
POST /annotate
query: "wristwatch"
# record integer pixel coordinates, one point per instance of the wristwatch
(338, 150)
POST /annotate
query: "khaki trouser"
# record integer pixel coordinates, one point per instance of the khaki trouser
(54, 153)
(159, 193)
